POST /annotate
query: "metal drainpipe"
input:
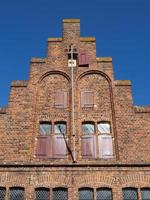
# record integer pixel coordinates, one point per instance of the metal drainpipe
(72, 89)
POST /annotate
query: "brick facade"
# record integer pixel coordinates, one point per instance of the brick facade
(33, 101)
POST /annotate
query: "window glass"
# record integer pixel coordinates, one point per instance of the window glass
(130, 194)
(86, 194)
(42, 194)
(45, 128)
(2, 193)
(104, 128)
(145, 192)
(16, 194)
(60, 194)
(88, 128)
(103, 194)
(60, 128)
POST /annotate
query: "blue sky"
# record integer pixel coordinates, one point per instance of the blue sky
(121, 28)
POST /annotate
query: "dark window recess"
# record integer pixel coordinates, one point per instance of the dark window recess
(2, 193)
(16, 194)
(88, 146)
(61, 99)
(87, 99)
(42, 194)
(145, 193)
(103, 194)
(83, 59)
(60, 194)
(130, 194)
(86, 194)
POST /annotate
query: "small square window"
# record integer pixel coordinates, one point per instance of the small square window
(45, 128)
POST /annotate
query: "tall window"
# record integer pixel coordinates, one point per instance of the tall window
(52, 144)
(86, 194)
(42, 193)
(16, 193)
(88, 147)
(130, 194)
(96, 140)
(145, 193)
(2, 193)
(60, 194)
(103, 194)
(105, 140)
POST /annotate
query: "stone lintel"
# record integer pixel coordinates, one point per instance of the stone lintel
(19, 83)
(38, 60)
(87, 39)
(123, 83)
(104, 59)
(71, 20)
(54, 39)
(142, 109)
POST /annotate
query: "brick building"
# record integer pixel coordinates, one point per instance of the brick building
(71, 131)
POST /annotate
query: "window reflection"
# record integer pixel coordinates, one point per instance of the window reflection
(104, 127)
(45, 128)
(60, 128)
(88, 128)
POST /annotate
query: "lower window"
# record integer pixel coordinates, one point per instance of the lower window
(16, 193)
(86, 194)
(145, 193)
(130, 194)
(103, 194)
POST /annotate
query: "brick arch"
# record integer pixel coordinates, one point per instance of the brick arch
(64, 74)
(13, 181)
(99, 180)
(134, 181)
(89, 72)
(47, 181)
(109, 81)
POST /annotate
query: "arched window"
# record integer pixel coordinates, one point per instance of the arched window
(2, 193)
(42, 194)
(105, 145)
(88, 128)
(103, 194)
(86, 194)
(88, 147)
(145, 193)
(45, 128)
(60, 128)
(16, 193)
(130, 194)
(60, 194)
(104, 127)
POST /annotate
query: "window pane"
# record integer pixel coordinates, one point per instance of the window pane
(104, 194)
(130, 194)
(60, 194)
(88, 128)
(45, 128)
(86, 194)
(2, 193)
(145, 193)
(42, 194)
(105, 146)
(16, 194)
(60, 128)
(104, 128)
